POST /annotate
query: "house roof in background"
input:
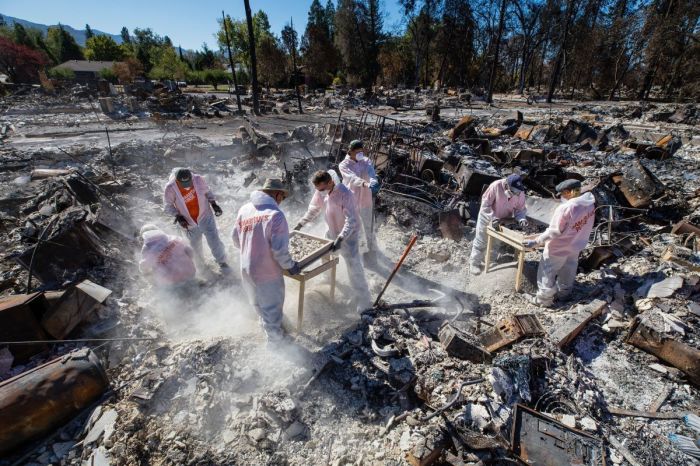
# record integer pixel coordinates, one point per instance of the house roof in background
(86, 65)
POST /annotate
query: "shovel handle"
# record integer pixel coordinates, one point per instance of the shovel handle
(397, 267)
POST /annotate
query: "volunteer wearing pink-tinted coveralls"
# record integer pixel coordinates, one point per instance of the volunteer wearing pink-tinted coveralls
(359, 176)
(262, 235)
(166, 260)
(502, 199)
(337, 203)
(204, 225)
(564, 239)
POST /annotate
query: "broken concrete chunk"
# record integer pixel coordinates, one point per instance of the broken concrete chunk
(665, 288)
(104, 427)
(569, 420)
(587, 423)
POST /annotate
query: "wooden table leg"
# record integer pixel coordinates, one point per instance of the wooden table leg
(300, 309)
(489, 238)
(333, 283)
(519, 273)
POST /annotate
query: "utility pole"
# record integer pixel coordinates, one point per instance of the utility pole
(230, 60)
(253, 60)
(294, 64)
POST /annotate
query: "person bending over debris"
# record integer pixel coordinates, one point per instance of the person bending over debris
(262, 234)
(358, 175)
(188, 198)
(566, 236)
(502, 199)
(166, 260)
(340, 211)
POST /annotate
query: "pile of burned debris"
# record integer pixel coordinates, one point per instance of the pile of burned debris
(477, 376)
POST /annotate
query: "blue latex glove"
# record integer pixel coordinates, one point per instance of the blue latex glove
(374, 186)
(530, 243)
(294, 269)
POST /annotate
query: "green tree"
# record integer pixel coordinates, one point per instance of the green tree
(271, 60)
(88, 33)
(63, 45)
(319, 55)
(148, 47)
(358, 36)
(206, 59)
(103, 48)
(215, 76)
(22, 37)
(169, 66)
(238, 35)
(126, 39)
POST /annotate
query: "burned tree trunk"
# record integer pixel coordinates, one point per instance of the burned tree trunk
(494, 65)
(230, 60)
(253, 60)
(556, 72)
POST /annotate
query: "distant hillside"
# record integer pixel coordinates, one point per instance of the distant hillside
(78, 34)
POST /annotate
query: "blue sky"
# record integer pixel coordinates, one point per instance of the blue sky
(187, 23)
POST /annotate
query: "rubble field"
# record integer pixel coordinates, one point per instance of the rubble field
(449, 369)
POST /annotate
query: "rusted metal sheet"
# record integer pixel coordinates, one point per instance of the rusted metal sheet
(638, 185)
(685, 227)
(462, 345)
(74, 306)
(539, 440)
(19, 321)
(524, 132)
(644, 336)
(41, 399)
(510, 330)
(461, 125)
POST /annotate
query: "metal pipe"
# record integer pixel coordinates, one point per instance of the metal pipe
(41, 399)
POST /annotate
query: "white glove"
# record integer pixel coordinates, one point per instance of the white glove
(523, 223)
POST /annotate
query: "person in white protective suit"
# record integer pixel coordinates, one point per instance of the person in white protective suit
(262, 235)
(502, 199)
(166, 260)
(188, 198)
(359, 175)
(566, 236)
(340, 211)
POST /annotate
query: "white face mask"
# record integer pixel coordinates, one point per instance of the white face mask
(361, 156)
